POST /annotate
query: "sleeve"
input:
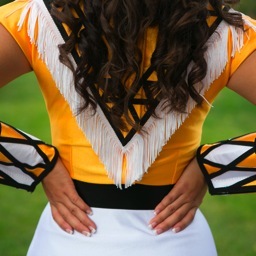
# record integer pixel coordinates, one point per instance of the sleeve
(229, 166)
(24, 159)
(241, 43)
(10, 15)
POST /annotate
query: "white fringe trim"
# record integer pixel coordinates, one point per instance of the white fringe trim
(143, 148)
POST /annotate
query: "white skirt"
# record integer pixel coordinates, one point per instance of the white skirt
(122, 233)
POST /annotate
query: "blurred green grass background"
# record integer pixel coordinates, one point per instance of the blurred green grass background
(231, 218)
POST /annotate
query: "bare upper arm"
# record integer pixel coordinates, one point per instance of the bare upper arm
(13, 62)
(243, 81)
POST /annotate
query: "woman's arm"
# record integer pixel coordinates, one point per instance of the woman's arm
(229, 166)
(68, 209)
(243, 81)
(13, 62)
(177, 209)
(24, 159)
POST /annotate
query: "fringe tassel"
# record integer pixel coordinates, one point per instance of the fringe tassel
(217, 55)
(143, 148)
(47, 40)
(105, 143)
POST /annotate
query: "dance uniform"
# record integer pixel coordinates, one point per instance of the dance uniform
(122, 176)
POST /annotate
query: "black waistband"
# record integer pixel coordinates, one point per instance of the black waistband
(137, 197)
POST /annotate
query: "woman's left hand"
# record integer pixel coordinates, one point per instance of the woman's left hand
(177, 210)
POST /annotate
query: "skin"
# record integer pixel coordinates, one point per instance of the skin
(176, 211)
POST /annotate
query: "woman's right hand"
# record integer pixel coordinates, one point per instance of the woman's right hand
(68, 210)
(178, 208)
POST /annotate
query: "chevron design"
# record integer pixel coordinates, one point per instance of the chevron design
(24, 160)
(230, 166)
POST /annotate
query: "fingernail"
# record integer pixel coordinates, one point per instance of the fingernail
(176, 230)
(152, 225)
(158, 231)
(86, 233)
(93, 230)
(89, 212)
(156, 212)
(69, 231)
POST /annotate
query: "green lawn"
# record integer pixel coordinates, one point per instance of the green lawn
(232, 218)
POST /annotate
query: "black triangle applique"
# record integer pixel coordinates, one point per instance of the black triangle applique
(143, 85)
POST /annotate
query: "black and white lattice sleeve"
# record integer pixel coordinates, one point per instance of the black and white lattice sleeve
(230, 166)
(24, 159)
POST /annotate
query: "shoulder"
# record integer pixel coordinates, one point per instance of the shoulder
(242, 42)
(21, 15)
(12, 7)
(10, 13)
(234, 42)
(20, 19)
(15, 8)
(228, 47)
(249, 28)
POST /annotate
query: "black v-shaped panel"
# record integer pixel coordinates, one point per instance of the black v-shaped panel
(149, 102)
(144, 84)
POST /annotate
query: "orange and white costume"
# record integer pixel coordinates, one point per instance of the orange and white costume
(96, 154)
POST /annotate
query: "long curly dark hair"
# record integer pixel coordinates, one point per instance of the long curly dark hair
(106, 34)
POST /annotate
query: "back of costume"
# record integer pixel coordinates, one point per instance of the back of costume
(122, 176)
